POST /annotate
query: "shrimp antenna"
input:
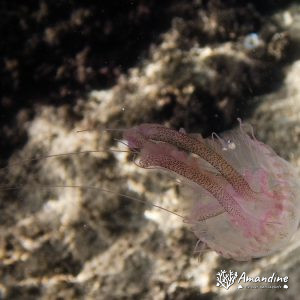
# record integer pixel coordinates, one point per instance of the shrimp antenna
(61, 154)
(114, 129)
(105, 129)
(125, 144)
(97, 189)
(83, 130)
(121, 142)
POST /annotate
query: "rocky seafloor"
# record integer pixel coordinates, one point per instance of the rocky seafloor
(204, 64)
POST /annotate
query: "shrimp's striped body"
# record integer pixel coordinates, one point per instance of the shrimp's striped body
(247, 196)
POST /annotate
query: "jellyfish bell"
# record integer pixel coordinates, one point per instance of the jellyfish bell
(275, 203)
(246, 202)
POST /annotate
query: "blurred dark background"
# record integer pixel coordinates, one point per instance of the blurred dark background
(54, 52)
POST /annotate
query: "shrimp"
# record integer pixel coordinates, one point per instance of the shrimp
(245, 196)
(248, 202)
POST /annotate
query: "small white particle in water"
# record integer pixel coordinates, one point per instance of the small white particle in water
(287, 18)
(231, 146)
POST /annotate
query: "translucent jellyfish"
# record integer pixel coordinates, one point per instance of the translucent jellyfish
(246, 197)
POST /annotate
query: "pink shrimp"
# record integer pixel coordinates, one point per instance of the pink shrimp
(247, 204)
